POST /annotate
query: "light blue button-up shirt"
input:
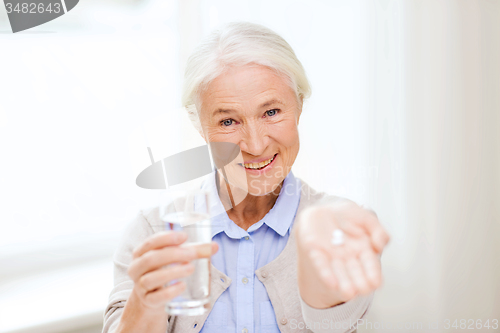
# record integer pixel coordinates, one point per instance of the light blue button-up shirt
(245, 305)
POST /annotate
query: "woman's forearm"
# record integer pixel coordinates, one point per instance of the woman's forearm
(137, 318)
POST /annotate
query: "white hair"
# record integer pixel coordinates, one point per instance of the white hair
(239, 43)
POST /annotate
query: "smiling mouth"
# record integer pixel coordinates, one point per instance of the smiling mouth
(258, 166)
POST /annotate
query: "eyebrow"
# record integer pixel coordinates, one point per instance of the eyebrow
(263, 105)
(271, 102)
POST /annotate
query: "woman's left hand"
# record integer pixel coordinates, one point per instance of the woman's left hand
(332, 274)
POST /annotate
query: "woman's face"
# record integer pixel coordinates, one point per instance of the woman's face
(255, 108)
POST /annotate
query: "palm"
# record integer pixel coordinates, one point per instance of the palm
(330, 274)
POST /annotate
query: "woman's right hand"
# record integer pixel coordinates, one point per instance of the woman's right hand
(149, 273)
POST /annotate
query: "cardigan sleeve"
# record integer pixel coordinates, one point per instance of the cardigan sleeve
(135, 233)
(342, 318)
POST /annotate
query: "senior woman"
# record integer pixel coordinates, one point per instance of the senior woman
(274, 266)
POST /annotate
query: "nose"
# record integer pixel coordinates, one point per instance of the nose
(254, 140)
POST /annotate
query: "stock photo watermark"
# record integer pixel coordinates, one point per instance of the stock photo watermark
(446, 324)
(26, 14)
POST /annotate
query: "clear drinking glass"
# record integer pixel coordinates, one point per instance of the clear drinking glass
(188, 211)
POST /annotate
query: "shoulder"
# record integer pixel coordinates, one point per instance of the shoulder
(144, 224)
(147, 219)
(151, 216)
(309, 196)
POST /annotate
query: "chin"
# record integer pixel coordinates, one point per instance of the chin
(257, 187)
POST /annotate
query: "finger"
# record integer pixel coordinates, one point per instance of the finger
(371, 266)
(323, 267)
(215, 248)
(157, 279)
(155, 259)
(160, 240)
(202, 250)
(165, 294)
(345, 285)
(357, 275)
(351, 228)
(379, 238)
(340, 221)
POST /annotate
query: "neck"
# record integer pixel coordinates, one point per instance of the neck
(248, 210)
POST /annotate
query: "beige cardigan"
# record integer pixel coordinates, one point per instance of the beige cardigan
(279, 278)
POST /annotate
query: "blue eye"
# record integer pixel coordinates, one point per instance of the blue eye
(227, 122)
(272, 112)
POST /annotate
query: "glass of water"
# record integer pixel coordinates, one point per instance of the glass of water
(188, 211)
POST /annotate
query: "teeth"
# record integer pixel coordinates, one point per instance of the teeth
(258, 165)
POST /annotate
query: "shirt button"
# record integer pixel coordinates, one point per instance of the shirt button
(244, 280)
(244, 330)
(283, 321)
(246, 237)
(264, 274)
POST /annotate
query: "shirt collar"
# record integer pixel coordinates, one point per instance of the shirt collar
(279, 218)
